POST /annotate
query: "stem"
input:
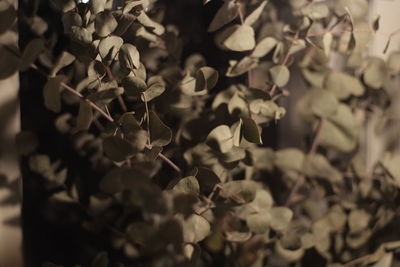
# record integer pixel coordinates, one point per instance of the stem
(105, 115)
(301, 179)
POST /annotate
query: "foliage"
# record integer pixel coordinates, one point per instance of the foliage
(184, 175)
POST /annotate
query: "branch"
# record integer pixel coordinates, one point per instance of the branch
(104, 114)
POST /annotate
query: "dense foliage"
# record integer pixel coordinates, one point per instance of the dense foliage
(182, 175)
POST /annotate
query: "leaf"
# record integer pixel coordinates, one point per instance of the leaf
(238, 38)
(70, 19)
(316, 165)
(160, 134)
(241, 191)
(81, 35)
(187, 185)
(316, 11)
(352, 43)
(327, 41)
(117, 149)
(109, 47)
(85, 116)
(343, 85)
(391, 163)
(129, 56)
(195, 229)
(100, 260)
(317, 102)
(255, 15)
(264, 47)
(280, 75)
(9, 61)
(289, 159)
(358, 220)
(237, 68)
(26, 142)
(156, 86)
(258, 223)
(111, 183)
(220, 139)
(105, 23)
(7, 18)
(51, 93)
(206, 78)
(225, 14)
(97, 6)
(64, 5)
(149, 23)
(31, 52)
(133, 85)
(393, 63)
(375, 23)
(280, 218)
(340, 130)
(63, 60)
(250, 130)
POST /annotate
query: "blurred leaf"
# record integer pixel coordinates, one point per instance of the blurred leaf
(100, 260)
(105, 23)
(358, 220)
(64, 5)
(340, 130)
(51, 93)
(250, 130)
(343, 85)
(117, 149)
(195, 229)
(85, 116)
(280, 75)
(258, 223)
(156, 86)
(317, 165)
(391, 163)
(26, 142)
(109, 47)
(187, 185)
(160, 134)
(227, 12)
(242, 191)
(129, 56)
(375, 23)
(375, 74)
(393, 63)
(10, 61)
(238, 38)
(7, 18)
(133, 85)
(31, 52)
(97, 6)
(220, 139)
(255, 15)
(81, 35)
(280, 218)
(264, 47)
(206, 78)
(237, 68)
(63, 60)
(289, 159)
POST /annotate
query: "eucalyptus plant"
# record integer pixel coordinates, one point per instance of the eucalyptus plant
(183, 175)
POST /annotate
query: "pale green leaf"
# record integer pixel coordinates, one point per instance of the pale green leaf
(280, 75)
(105, 23)
(227, 12)
(220, 139)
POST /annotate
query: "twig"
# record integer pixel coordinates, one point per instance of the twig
(105, 115)
(301, 179)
